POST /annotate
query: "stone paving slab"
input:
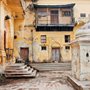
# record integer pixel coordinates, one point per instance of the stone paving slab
(43, 81)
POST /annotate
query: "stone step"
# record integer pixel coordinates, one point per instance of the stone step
(19, 71)
(16, 68)
(33, 74)
(51, 63)
(16, 65)
(51, 66)
(21, 67)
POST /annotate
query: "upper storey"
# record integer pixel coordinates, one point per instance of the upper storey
(54, 15)
(58, 13)
(81, 9)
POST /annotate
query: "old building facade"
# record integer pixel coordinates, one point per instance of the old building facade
(41, 30)
(48, 29)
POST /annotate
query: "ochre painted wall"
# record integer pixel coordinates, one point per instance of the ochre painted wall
(23, 30)
(7, 25)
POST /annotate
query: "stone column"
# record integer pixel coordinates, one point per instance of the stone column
(81, 54)
(2, 52)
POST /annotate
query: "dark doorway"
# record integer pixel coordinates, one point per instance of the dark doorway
(24, 53)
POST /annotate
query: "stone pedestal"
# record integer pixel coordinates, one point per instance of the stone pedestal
(81, 54)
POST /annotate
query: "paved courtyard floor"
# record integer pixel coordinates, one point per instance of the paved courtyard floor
(52, 80)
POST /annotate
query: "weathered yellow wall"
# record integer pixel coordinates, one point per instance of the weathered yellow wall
(23, 27)
(8, 26)
(54, 39)
(5, 26)
(24, 39)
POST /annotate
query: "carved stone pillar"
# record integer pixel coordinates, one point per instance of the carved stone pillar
(81, 53)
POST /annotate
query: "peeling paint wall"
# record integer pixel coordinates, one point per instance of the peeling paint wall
(6, 31)
(8, 27)
(23, 39)
(27, 38)
(54, 40)
(23, 31)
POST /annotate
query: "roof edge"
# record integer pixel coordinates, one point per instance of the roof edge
(55, 6)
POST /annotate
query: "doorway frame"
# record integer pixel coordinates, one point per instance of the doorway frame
(24, 48)
(59, 53)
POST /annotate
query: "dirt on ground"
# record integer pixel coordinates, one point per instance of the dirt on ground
(53, 80)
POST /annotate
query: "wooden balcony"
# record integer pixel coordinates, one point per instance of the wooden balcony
(63, 22)
(45, 25)
(54, 17)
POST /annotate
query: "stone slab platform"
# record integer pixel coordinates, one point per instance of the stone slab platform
(19, 70)
(51, 66)
(79, 85)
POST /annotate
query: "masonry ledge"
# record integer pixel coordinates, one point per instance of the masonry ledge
(78, 85)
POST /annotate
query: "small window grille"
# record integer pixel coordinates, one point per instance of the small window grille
(43, 38)
(82, 15)
(67, 38)
(43, 48)
(67, 47)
